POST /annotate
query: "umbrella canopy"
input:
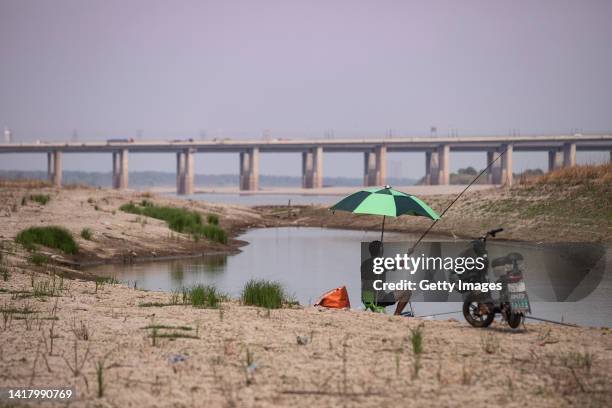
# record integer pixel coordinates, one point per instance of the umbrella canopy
(386, 202)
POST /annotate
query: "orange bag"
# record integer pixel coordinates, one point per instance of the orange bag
(335, 299)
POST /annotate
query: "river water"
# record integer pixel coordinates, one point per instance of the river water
(311, 261)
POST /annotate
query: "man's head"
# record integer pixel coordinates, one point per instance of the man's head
(375, 248)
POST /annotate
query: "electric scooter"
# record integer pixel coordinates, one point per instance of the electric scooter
(479, 308)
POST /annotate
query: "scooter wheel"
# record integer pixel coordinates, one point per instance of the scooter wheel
(514, 319)
(472, 311)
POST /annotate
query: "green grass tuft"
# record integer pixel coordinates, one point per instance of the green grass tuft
(179, 220)
(39, 259)
(416, 338)
(52, 237)
(212, 219)
(263, 293)
(44, 288)
(204, 296)
(86, 234)
(153, 304)
(40, 198)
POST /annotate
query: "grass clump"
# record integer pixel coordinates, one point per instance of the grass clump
(204, 296)
(39, 259)
(212, 219)
(42, 289)
(575, 359)
(86, 234)
(180, 220)
(416, 338)
(40, 198)
(263, 293)
(153, 304)
(52, 237)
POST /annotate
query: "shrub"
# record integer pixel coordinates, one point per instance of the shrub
(263, 293)
(52, 237)
(86, 234)
(40, 198)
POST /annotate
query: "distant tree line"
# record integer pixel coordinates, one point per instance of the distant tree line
(146, 179)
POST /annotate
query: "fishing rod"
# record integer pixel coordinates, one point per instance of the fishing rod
(455, 200)
(551, 321)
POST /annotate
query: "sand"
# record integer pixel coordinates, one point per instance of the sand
(239, 356)
(351, 358)
(117, 236)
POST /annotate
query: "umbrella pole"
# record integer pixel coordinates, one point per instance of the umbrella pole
(382, 233)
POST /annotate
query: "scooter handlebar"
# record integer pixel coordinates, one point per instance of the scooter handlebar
(494, 231)
(491, 233)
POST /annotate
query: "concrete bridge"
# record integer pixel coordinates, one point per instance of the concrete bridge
(561, 152)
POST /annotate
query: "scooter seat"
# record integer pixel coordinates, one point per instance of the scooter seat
(510, 259)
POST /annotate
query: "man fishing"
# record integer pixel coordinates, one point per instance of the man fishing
(379, 297)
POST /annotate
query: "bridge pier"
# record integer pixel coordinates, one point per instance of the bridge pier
(249, 169)
(375, 166)
(569, 154)
(490, 158)
(555, 159)
(184, 172)
(494, 175)
(437, 165)
(506, 165)
(381, 165)
(120, 169)
(431, 168)
(49, 167)
(443, 164)
(312, 168)
(54, 168)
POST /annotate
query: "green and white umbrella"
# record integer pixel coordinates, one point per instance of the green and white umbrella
(384, 201)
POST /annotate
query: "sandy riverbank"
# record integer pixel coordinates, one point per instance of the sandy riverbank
(239, 356)
(116, 235)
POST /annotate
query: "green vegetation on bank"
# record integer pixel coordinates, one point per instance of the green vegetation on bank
(577, 195)
(86, 234)
(204, 296)
(39, 259)
(180, 220)
(200, 296)
(51, 237)
(40, 198)
(264, 294)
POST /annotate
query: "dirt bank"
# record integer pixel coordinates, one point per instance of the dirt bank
(116, 235)
(239, 356)
(568, 205)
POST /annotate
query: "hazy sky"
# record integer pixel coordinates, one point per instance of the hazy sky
(238, 69)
